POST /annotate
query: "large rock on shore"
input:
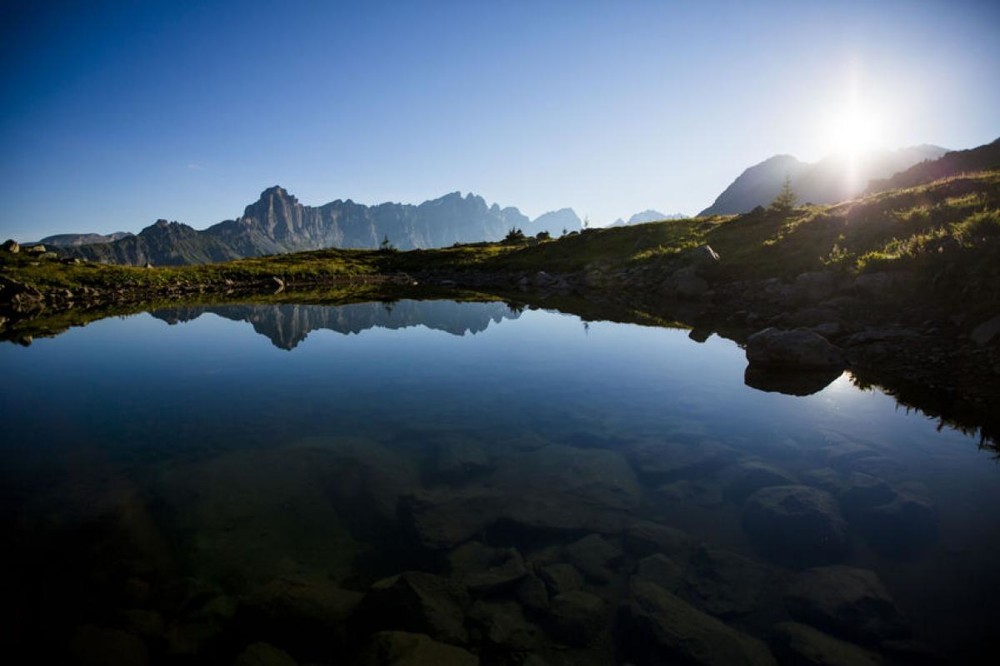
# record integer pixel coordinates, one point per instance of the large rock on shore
(796, 525)
(799, 348)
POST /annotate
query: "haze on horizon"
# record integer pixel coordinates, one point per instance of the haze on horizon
(118, 113)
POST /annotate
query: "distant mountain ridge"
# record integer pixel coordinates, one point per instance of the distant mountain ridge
(830, 180)
(645, 216)
(981, 158)
(277, 223)
(71, 240)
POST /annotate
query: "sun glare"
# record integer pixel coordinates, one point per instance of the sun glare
(853, 128)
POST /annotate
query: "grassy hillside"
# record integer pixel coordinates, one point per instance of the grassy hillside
(946, 233)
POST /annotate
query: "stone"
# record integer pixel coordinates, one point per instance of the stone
(97, 646)
(796, 525)
(725, 584)
(595, 557)
(458, 459)
(900, 528)
(986, 332)
(686, 491)
(553, 488)
(576, 616)
(401, 648)
(864, 491)
(263, 654)
(11, 245)
(532, 594)
(503, 624)
(672, 461)
(798, 348)
(661, 570)
(643, 538)
(814, 286)
(688, 284)
(35, 249)
(657, 627)
(485, 570)
(419, 602)
(302, 602)
(847, 602)
(746, 478)
(799, 644)
(560, 578)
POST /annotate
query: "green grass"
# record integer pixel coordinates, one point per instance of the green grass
(947, 231)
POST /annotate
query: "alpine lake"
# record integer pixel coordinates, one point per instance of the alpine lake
(442, 481)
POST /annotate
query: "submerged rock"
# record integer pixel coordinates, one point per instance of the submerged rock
(485, 570)
(503, 624)
(657, 627)
(595, 557)
(263, 654)
(848, 602)
(560, 577)
(796, 525)
(795, 643)
(420, 602)
(401, 648)
(899, 528)
(799, 348)
(575, 617)
(746, 478)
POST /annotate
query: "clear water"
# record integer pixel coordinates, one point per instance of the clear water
(147, 465)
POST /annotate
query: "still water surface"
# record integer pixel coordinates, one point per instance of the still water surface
(177, 485)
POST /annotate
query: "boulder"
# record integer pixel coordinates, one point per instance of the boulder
(899, 528)
(502, 624)
(595, 557)
(673, 461)
(799, 644)
(746, 478)
(532, 594)
(301, 603)
(796, 525)
(687, 284)
(849, 603)
(560, 577)
(263, 654)
(401, 648)
(459, 459)
(485, 570)
(419, 602)
(661, 570)
(814, 286)
(798, 348)
(725, 584)
(11, 245)
(575, 617)
(986, 332)
(554, 488)
(864, 491)
(657, 627)
(643, 538)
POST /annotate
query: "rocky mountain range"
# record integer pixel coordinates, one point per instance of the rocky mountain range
(278, 223)
(287, 325)
(982, 158)
(72, 240)
(830, 180)
(645, 216)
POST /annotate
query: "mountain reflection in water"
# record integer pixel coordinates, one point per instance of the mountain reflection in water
(546, 491)
(288, 325)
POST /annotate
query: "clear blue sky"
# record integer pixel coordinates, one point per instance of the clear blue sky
(118, 113)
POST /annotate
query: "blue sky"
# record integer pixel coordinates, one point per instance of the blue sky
(115, 114)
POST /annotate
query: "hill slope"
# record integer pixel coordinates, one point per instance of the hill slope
(830, 180)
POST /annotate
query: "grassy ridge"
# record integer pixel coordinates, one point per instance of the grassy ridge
(947, 232)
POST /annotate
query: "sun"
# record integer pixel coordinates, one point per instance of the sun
(854, 131)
